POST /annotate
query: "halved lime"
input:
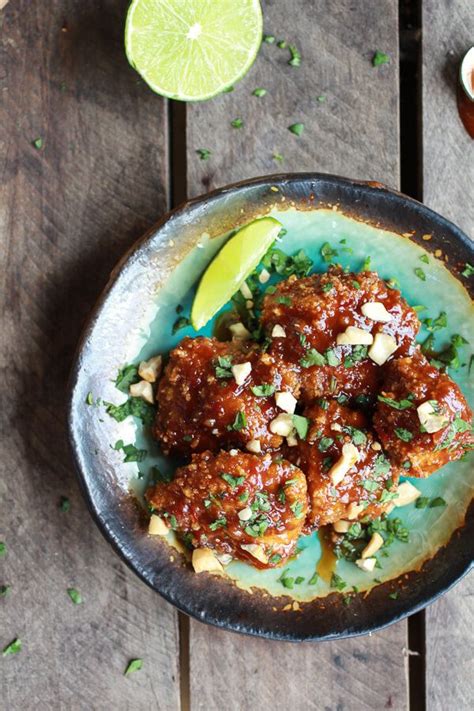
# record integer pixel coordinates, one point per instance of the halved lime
(231, 266)
(192, 50)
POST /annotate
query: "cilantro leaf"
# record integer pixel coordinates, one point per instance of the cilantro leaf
(75, 595)
(301, 425)
(128, 375)
(380, 58)
(13, 648)
(312, 357)
(134, 665)
(296, 128)
(263, 390)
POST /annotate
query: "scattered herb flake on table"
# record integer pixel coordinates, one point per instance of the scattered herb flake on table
(278, 157)
(204, 153)
(259, 92)
(4, 590)
(380, 58)
(64, 504)
(295, 60)
(13, 648)
(296, 128)
(38, 143)
(269, 39)
(237, 123)
(75, 595)
(3, 548)
(134, 665)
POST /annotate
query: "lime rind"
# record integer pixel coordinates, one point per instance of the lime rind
(231, 266)
(228, 42)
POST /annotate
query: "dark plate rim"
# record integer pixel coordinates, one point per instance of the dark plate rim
(390, 616)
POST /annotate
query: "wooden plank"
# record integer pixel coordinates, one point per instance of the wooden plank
(448, 177)
(353, 132)
(68, 210)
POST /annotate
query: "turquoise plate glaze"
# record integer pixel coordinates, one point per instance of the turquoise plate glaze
(162, 273)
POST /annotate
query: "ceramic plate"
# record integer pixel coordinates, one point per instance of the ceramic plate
(134, 320)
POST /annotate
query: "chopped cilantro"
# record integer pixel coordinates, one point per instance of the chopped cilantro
(403, 434)
(4, 590)
(424, 258)
(128, 375)
(278, 157)
(240, 421)
(355, 284)
(223, 369)
(218, 523)
(263, 390)
(301, 425)
(275, 558)
(337, 582)
(358, 437)
(396, 404)
(89, 399)
(286, 580)
(420, 273)
(286, 265)
(3, 549)
(295, 60)
(366, 265)
(134, 665)
(299, 580)
(38, 143)
(134, 407)
(436, 324)
(283, 300)
(327, 252)
(369, 485)
(327, 287)
(259, 92)
(296, 128)
(297, 508)
(233, 481)
(437, 501)
(468, 270)
(357, 354)
(258, 527)
(380, 58)
(313, 579)
(332, 357)
(312, 357)
(324, 443)
(381, 466)
(321, 98)
(64, 504)
(393, 595)
(75, 595)
(282, 44)
(237, 123)
(12, 648)
(132, 453)
(269, 39)
(204, 153)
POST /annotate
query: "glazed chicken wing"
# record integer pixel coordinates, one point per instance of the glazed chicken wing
(422, 418)
(215, 394)
(349, 477)
(251, 507)
(338, 329)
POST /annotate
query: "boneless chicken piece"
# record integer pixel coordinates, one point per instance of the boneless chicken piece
(338, 328)
(422, 418)
(249, 507)
(349, 478)
(215, 394)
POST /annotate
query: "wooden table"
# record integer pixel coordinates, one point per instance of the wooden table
(112, 158)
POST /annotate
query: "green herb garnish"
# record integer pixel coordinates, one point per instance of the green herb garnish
(468, 270)
(240, 421)
(380, 58)
(403, 434)
(237, 123)
(75, 595)
(396, 404)
(328, 252)
(337, 582)
(420, 273)
(263, 390)
(296, 128)
(204, 153)
(259, 92)
(128, 375)
(233, 481)
(312, 357)
(301, 425)
(134, 665)
(218, 523)
(12, 648)
(64, 504)
(38, 143)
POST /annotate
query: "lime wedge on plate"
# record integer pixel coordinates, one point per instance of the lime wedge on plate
(192, 50)
(231, 266)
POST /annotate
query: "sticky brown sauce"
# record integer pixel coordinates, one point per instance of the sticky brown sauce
(327, 563)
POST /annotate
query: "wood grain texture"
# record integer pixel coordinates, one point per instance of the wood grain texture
(68, 210)
(448, 180)
(355, 133)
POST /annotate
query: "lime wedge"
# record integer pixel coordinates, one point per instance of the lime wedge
(192, 50)
(231, 266)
